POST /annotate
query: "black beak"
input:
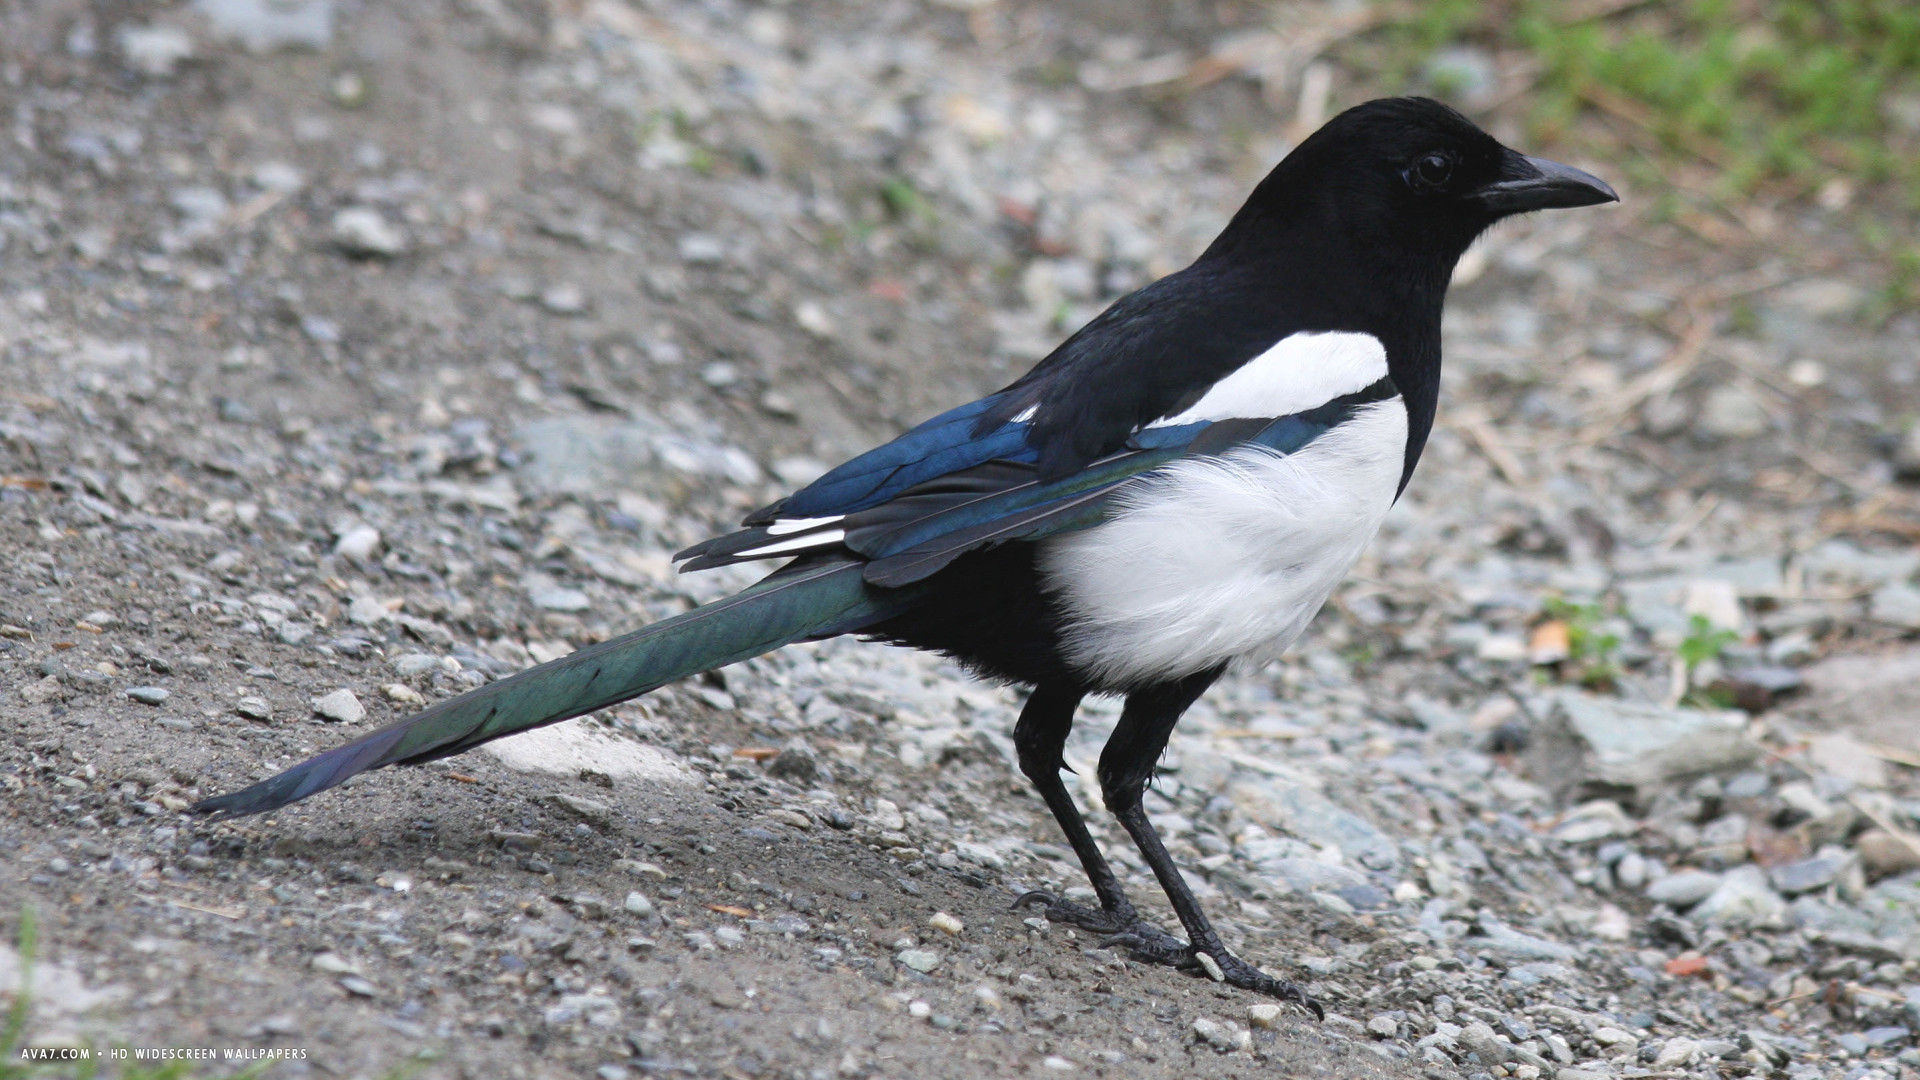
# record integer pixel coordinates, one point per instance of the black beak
(1533, 183)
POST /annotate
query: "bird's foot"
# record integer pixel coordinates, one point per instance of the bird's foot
(1238, 972)
(1115, 924)
(1219, 965)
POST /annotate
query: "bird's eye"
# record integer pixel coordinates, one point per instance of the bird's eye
(1431, 171)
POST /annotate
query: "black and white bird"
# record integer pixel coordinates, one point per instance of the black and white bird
(1176, 489)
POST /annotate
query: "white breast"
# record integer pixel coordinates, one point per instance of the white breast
(1209, 560)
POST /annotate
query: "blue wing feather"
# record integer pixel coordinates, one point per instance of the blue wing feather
(945, 444)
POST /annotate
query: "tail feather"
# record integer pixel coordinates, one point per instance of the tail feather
(794, 604)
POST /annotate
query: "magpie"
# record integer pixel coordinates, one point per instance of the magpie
(1175, 489)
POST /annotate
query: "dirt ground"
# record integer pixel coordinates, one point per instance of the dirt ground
(398, 361)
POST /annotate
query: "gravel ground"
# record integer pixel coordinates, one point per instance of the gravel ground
(357, 354)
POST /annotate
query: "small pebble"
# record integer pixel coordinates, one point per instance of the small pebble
(149, 695)
(946, 923)
(920, 960)
(562, 600)
(340, 707)
(361, 542)
(1211, 966)
(564, 299)
(1683, 888)
(363, 232)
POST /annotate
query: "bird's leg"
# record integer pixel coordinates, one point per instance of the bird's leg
(1126, 765)
(1039, 737)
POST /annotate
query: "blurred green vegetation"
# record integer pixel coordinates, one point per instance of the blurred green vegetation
(1700, 104)
(1776, 95)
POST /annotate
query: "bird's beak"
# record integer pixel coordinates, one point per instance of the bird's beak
(1533, 183)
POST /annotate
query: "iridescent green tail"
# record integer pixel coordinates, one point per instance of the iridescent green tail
(817, 600)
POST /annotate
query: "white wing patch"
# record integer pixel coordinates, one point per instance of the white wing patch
(798, 543)
(794, 525)
(1300, 372)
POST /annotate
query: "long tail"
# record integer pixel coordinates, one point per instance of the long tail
(796, 603)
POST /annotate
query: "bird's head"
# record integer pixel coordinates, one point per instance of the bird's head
(1413, 174)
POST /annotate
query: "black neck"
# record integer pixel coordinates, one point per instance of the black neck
(1313, 273)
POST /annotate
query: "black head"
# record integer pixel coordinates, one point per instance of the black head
(1413, 174)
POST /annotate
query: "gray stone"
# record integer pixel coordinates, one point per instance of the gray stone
(415, 663)
(150, 695)
(585, 809)
(1594, 820)
(1731, 412)
(556, 598)
(598, 457)
(1838, 560)
(1832, 299)
(795, 761)
(701, 249)
(1220, 1035)
(1634, 744)
(340, 707)
(1897, 605)
(1838, 754)
(920, 960)
(1815, 872)
(198, 203)
(154, 50)
(254, 708)
(1312, 875)
(1311, 816)
(1885, 852)
(1631, 871)
(1869, 697)
(565, 298)
(1744, 898)
(1676, 1053)
(1506, 939)
(1887, 1035)
(265, 25)
(360, 542)
(363, 232)
(367, 612)
(1479, 1039)
(1684, 888)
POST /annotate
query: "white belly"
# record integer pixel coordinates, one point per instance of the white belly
(1210, 560)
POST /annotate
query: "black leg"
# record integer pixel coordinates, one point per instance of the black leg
(1126, 765)
(1039, 737)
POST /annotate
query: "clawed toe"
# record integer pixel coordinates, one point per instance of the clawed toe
(1237, 972)
(1150, 944)
(1121, 928)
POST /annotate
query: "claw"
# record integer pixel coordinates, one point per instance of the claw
(1034, 896)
